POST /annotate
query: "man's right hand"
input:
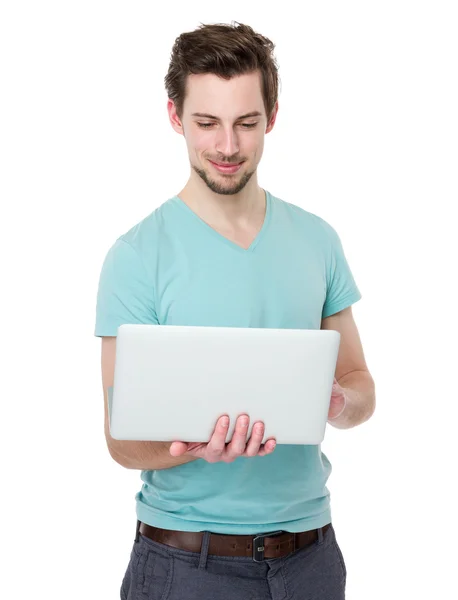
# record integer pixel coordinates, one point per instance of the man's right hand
(216, 450)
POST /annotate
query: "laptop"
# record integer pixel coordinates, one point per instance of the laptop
(172, 383)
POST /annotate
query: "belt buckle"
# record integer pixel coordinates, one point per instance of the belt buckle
(258, 545)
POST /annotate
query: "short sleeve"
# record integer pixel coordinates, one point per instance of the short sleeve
(341, 288)
(125, 293)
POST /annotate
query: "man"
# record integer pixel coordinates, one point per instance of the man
(225, 252)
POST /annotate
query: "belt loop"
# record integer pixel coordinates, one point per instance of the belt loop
(204, 550)
(320, 535)
(137, 532)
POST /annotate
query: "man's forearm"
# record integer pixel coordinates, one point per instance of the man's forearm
(146, 455)
(360, 391)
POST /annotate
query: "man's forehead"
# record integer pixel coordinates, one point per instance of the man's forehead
(249, 79)
(211, 97)
(210, 85)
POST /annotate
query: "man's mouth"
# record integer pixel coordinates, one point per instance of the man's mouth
(226, 168)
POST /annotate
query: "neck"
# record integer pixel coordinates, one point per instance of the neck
(237, 210)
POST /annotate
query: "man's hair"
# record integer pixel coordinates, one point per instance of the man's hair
(226, 51)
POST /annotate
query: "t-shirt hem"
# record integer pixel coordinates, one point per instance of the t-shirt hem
(162, 521)
(345, 303)
(106, 332)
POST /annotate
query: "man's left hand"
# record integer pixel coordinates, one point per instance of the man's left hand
(338, 401)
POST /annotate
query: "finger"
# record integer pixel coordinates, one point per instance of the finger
(268, 447)
(337, 407)
(217, 443)
(255, 441)
(178, 448)
(236, 447)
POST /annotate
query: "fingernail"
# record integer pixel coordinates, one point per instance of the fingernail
(225, 421)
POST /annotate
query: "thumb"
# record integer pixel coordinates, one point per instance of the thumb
(178, 448)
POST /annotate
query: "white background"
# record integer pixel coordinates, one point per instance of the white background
(366, 137)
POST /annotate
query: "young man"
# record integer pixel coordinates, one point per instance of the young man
(225, 252)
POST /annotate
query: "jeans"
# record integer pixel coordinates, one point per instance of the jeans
(159, 572)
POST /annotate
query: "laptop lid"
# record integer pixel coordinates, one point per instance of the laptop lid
(172, 383)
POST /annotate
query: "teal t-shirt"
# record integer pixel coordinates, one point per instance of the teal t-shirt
(174, 269)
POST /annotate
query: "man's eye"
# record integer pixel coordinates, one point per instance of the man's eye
(244, 125)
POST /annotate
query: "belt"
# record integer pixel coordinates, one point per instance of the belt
(274, 544)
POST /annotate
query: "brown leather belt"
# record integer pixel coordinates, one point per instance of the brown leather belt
(258, 547)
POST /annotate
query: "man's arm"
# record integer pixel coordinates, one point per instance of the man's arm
(133, 454)
(351, 371)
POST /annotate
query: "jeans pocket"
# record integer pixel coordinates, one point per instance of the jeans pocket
(341, 558)
(125, 587)
(127, 584)
(153, 574)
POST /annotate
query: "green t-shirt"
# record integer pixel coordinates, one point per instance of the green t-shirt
(174, 269)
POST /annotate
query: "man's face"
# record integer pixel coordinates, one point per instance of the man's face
(223, 122)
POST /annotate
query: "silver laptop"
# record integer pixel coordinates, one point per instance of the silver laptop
(171, 383)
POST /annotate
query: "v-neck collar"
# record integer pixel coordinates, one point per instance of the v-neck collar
(223, 238)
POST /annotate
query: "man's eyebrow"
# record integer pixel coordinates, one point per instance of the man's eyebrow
(255, 113)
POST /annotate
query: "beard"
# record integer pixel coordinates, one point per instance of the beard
(226, 189)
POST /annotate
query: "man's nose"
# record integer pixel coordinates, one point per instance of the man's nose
(227, 142)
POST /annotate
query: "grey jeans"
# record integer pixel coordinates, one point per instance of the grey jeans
(159, 572)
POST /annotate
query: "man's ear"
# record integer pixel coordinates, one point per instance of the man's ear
(273, 118)
(173, 117)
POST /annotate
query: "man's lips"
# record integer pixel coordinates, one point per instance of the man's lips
(227, 168)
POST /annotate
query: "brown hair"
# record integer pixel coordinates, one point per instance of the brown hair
(226, 51)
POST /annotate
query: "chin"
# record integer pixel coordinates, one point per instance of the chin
(226, 185)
